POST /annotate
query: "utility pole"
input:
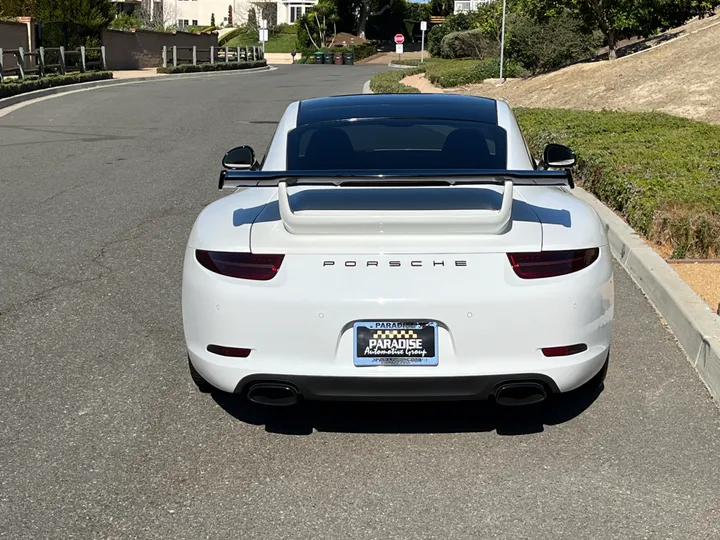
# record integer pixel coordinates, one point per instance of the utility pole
(502, 44)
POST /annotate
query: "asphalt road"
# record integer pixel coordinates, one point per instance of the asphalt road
(102, 434)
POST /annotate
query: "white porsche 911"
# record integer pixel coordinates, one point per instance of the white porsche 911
(398, 247)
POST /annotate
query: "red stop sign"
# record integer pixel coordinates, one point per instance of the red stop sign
(399, 39)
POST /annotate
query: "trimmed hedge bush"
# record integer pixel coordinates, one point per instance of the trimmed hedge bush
(221, 66)
(659, 172)
(469, 44)
(461, 72)
(15, 87)
(388, 82)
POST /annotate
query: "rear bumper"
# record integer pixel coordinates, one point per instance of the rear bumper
(479, 387)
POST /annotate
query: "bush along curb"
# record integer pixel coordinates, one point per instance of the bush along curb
(14, 88)
(695, 326)
(388, 82)
(222, 66)
(37, 94)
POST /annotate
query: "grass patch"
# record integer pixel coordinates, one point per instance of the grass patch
(279, 42)
(660, 172)
(14, 87)
(220, 66)
(388, 82)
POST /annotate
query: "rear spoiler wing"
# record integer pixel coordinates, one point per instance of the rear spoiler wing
(406, 221)
(237, 178)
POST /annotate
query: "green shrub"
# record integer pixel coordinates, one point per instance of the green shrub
(15, 87)
(469, 44)
(453, 23)
(286, 29)
(388, 82)
(658, 171)
(452, 73)
(542, 47)
(221, 66)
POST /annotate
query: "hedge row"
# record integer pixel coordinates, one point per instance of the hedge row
(658, 171)
(15, 87)
(454, 73)
(388, 82)
(222, 66)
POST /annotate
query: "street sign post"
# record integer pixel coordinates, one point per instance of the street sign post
(399, 40)
(263, 34)
(423, 27)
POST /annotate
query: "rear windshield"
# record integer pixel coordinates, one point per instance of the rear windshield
(397, 144)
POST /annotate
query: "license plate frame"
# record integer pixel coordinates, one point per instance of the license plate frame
(395, 331)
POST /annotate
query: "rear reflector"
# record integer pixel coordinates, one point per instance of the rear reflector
(240, 265)
(566, 350)
(229, 351)
(545, 264)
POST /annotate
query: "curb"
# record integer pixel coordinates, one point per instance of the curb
(35, 94)
(694, 324)
(401, 66)
(366, 88)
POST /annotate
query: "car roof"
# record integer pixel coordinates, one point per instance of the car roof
(427, 106)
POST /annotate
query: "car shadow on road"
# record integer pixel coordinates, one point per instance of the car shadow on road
(403, 417)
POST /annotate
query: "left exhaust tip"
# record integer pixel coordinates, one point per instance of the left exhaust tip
(273, 394)
(520, 393)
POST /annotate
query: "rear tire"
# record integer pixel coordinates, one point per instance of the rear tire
(202, 385)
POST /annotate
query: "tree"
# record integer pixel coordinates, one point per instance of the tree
(90, 13)
(619, 19)
(212, 19)
(370, 8)
(317, 24)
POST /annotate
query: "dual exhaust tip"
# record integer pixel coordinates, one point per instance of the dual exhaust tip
(273, 394)
(509, 394)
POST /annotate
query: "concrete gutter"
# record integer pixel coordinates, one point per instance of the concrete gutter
(695, 325)
(29, 96)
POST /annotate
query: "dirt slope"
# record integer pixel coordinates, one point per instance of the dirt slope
(680, 77)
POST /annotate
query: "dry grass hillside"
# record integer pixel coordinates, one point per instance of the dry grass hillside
(680, 76)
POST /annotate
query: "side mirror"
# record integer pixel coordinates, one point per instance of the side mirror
(558, 156)
(242, 157)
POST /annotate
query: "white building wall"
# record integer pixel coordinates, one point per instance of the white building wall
(201, 10)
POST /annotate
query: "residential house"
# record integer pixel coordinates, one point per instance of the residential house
(235, 12)
(463, 6)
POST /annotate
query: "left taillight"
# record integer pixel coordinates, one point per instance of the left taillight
(545, 264)
(240, 265)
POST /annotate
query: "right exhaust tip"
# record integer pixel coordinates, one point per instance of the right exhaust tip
(513, 394)
(273, 394)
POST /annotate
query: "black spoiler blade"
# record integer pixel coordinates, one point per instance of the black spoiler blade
(233, 179)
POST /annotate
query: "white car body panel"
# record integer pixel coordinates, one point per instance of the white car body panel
(491, 322)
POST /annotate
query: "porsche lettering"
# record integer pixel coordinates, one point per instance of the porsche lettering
(395, 264)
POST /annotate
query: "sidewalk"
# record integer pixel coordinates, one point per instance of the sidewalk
(135, 73)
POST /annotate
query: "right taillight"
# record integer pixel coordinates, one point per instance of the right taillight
(240, 265)
(545, 264)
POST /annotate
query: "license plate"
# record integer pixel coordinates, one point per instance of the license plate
(386, 343)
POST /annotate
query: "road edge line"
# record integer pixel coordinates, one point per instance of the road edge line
(695, 326)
